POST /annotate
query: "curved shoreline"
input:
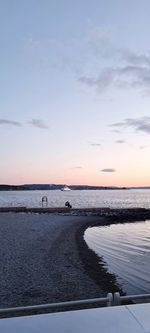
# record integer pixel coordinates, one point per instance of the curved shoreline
(94, 264)
(45, 259)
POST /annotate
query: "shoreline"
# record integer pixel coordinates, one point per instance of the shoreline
(95, 265)
(117, 213)
(69, 269)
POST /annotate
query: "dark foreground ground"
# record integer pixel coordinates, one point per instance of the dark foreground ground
(40, 261)
(44, 259)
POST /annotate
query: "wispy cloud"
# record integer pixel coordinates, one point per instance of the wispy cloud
(104, 80)
(116, 131)
(35, 122)
(133, 70)
(56, 53)
(120, 77)
(108, 170)
(144, 147)
(95, 144)
(9, 122)
(120, 141)
(93, 51)
(141, 124)
(77, 167)
(135, 58)
(38, 123)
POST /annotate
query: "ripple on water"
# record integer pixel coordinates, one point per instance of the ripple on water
(78, 199)
(125, 249)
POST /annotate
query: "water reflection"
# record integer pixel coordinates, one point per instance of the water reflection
(126, 250)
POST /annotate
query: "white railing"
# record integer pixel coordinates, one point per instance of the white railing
(118, 300)
(109, 300)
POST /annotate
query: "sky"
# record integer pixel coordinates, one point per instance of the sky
(75, 92)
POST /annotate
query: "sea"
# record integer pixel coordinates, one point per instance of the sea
(78, 198)
(125, 248)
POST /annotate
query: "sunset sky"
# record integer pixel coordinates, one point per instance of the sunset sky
(75, 92)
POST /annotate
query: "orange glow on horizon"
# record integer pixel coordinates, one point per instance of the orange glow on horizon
(101, 180)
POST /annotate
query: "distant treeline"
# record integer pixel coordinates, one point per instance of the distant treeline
(29, 187)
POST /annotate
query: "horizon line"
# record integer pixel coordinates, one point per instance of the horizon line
(63, 184)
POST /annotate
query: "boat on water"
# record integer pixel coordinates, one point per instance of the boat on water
(65, 188)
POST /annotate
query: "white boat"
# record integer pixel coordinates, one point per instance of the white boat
(65, 188)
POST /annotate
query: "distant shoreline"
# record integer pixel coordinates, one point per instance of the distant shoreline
(55, 187)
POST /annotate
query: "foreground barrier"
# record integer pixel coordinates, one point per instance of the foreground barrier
(109, 300)
(118, 300)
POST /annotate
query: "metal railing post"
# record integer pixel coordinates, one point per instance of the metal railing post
(117, 298)
(110, 299)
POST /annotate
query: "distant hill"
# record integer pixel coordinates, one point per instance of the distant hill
(140, 188)
(29, 187)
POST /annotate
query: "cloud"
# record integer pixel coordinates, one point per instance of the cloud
(77, 167)
(135, 58)
(9, 122)
(141, 124)
(94, 50)
(104, 80)
(144, 147)
(35, 122)
(108, 170)
(38, 123)
(120, 141)
(95, 144)
(116, 131)
(133, 70)
(129, 76)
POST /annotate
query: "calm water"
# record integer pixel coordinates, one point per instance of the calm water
(100, 198)
(126, 251)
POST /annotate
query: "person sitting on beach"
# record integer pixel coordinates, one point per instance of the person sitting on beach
(67, 204)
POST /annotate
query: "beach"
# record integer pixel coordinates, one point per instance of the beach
(40, 260)
(44, 258)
